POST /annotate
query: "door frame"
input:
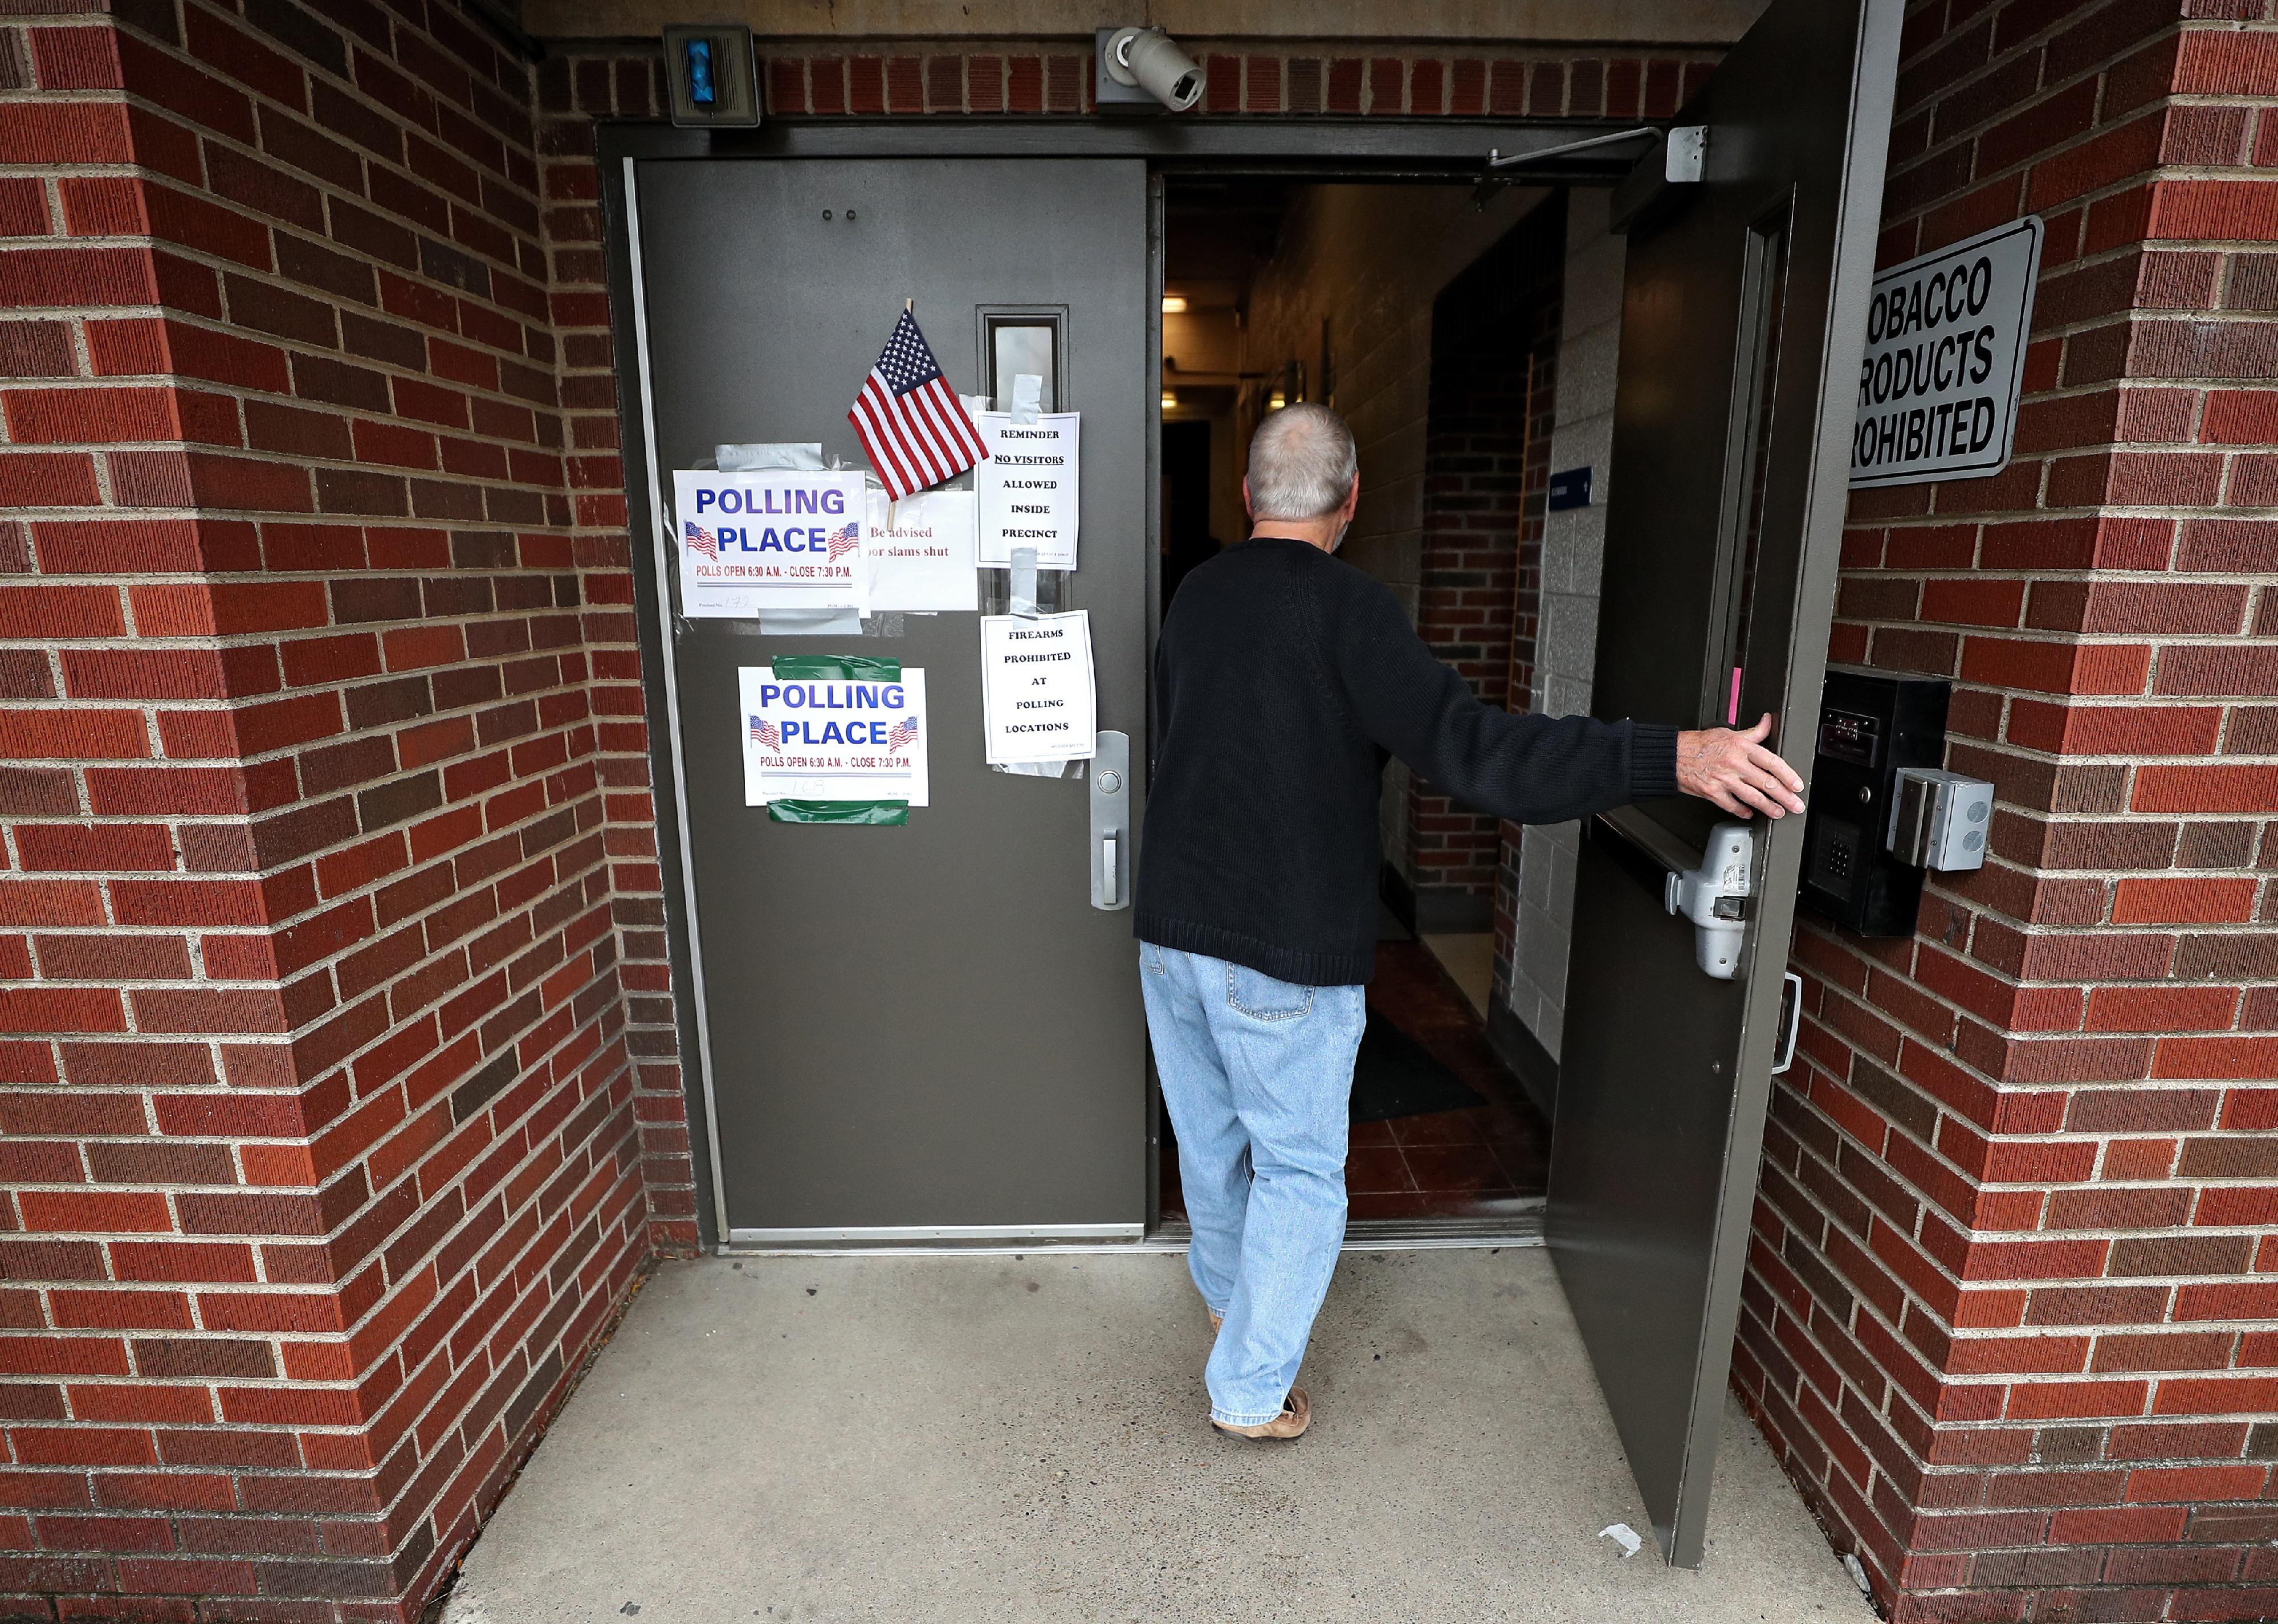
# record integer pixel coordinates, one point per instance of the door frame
(1323, 149)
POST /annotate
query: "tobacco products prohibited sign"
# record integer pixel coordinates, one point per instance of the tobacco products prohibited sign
(1946, 355)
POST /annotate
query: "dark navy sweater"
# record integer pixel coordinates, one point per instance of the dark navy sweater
(1284, 680)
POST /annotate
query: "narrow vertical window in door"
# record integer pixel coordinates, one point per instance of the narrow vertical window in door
(1764, 299)
(1017, 341)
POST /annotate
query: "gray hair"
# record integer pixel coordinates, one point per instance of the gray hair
(1302, 463)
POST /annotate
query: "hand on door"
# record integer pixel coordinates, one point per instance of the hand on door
(1737, 771)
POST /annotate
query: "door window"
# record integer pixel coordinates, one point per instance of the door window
(1764, 304)
(1017, 341)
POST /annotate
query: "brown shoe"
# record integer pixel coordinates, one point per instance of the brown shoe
(1296, 1415)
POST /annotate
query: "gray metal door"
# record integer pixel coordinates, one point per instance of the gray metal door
(1744, 315)
(925, 1028)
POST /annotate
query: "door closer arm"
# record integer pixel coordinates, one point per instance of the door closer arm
(1715, 897)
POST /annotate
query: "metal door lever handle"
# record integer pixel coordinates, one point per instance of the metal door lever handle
(1109, 771)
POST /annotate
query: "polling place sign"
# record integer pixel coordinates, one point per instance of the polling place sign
(771, 538)
(1945, 355)
(833, 728)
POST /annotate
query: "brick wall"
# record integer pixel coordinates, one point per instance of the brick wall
(320, 1162)
(573, 90)
(331, 934)
(2009, 1314)
(331, 937)
(1031, 77)
(1486, 457)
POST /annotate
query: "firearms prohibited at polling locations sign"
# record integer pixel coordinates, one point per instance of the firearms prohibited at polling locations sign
(1036, 695)
(1946, 353)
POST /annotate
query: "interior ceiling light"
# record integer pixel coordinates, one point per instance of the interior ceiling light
(1174, 304)
(1170, 400)
(1276, 400)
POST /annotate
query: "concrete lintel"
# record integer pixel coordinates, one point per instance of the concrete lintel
(1485, 23)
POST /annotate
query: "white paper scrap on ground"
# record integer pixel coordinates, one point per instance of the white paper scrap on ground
(833, 741)
(768, 539)
(1624, 1535)
(1036, 696)
(920, 553)
(1028, 486)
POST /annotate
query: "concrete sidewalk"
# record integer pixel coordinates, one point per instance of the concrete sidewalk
(986, 1439)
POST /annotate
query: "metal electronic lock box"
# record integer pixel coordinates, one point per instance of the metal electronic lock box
(1872, 726)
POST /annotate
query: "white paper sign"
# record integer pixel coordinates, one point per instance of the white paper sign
(833, 741)
(920, 553)
(1036, 699)
(1946, 357)
(1027, 487)
(773, 539)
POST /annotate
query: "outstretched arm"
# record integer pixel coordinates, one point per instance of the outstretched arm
(1532, 769)
(1529, 768)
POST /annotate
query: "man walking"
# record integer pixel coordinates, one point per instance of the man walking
(1285, 678)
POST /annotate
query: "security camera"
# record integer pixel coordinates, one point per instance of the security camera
(1148, 59)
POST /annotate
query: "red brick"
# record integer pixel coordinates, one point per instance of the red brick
(2235, 209)
(2153, 1484)
(2210, 788)
(2217, 1058)
(2183, 901)
(2160, 1009)
(57, 1009)
(2058, 1400)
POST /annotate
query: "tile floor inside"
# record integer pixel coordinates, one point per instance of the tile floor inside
(1479, 1163)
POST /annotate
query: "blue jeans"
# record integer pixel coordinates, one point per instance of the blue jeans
(1257, 1077)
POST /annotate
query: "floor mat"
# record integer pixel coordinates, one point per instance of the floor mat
(1395, 1076)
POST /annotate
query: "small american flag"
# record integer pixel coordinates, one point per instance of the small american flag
(701, 540)
(909, 419)
(905, 732)
(844, 541)
(765, 732)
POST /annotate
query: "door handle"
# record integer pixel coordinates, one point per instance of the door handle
(1791, 1020)
(1109, 772)
(1715, 896)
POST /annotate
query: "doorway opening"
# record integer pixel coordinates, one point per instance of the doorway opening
(1429, 317)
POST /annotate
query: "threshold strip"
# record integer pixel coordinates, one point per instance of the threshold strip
(1518, 1228)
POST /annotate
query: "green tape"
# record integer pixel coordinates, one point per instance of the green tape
(836, 668)
(839, 812)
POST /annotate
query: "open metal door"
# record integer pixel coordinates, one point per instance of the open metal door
(1744, 317)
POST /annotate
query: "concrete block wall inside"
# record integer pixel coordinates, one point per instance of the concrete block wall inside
(1531, 977)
